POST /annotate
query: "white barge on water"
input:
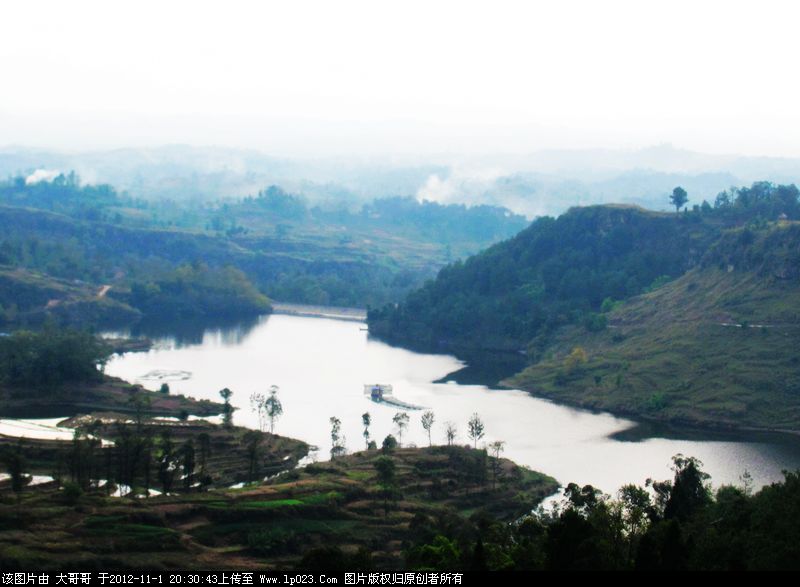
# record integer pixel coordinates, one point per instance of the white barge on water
(381, 393)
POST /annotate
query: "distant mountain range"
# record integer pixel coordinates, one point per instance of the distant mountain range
(546, 182)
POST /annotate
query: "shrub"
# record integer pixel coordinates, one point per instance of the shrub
(575, 360)
(595, 322)
(71, 492)
(389, 444)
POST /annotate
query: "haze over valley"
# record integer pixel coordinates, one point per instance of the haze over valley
(427, 290)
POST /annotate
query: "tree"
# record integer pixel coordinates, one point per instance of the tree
(52, 357)
(400, 420)
(167, 461)
(386, 479)
(450, 432)
(258, 405)
(273, 407)
(82, 467)
(475, 428)
(227, 409)
(366, 420)
(689, 491)
(636, 506)
(15, 465)
(188, 462)
(337, 440)
(495, 448)
(252, 442)
(164, 388)
(389, 444)
(205, 452)
(679, 198)
(582, 499)
(427, 423)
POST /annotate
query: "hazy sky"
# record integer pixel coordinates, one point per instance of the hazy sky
(296, 77)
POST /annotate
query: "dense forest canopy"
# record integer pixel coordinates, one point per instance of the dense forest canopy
(678, 524)
(562, 270)
(51, 357)
(196, 291)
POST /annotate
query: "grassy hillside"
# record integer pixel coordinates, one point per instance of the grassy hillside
(718, 346)
(556, 272)
(289, 250)
(689, 316)
(31, 297)
(309, 512)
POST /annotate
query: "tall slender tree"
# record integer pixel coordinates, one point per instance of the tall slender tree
(428, 419)
(252, 443)
(205, 451)
(475, 428)
(258, 405)
(385, 468)
(227, 409)
(495, 448)
(273, 407)
(337, 440)
(450, 432)
(400, 420)
(188, 462)
(366, 420)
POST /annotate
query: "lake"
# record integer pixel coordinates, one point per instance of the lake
(321, 366)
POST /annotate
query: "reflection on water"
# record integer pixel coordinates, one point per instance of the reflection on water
(321, 366)
(189, 332)
(486, 368)
(649, 429)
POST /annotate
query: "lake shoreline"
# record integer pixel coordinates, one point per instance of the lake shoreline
(110, 394)
(466, 375)
(310, 311)
(633, 414)
(576, 443)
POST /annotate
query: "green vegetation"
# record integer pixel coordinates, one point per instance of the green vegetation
(57, 371)
(418, 509)
(29, 298)
(142, 454)
(373, 508)
(555, 272)
(197, 291)
(151, 253)
(713, 347)
(51, 358)
(667, 525)
(679, 198)
(560, 271)
(675, 525)
(686, 317)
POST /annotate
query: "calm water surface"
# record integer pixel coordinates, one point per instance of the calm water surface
(321, 366)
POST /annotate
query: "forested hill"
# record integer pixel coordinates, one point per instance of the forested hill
(689, 317)
(567, 270)
(717, 346)
(557, 271)
(61, 242)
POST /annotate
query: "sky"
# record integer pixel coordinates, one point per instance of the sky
(322, 78)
